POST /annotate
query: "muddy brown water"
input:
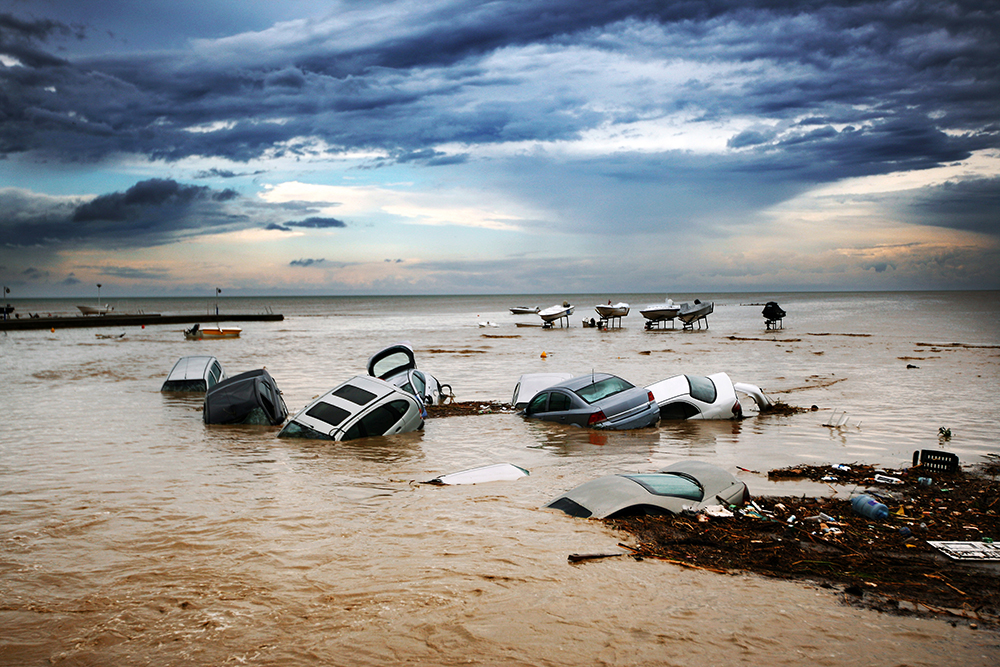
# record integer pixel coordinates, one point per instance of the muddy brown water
(132, 534)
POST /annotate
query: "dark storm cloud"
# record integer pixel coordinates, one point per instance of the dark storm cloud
(971, 205)
(875, 65)
(308, 223)
(150, 212)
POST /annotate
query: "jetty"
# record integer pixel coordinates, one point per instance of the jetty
(125, 320)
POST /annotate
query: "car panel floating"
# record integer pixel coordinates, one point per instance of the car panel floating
(248, 398)
(497, 472)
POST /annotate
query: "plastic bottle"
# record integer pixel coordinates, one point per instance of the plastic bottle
(868, 507)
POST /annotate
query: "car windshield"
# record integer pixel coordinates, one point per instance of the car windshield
(667, 484)
(602, 389)
(702, 388)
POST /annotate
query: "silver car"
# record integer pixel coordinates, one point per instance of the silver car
(361, 407)
(195, 374)
(397, 365)
(597, 400)
(682, 486)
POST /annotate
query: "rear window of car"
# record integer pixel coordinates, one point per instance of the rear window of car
(355, 395)
(602, 389)
(702, 388)
(669, 484)
(330, 414)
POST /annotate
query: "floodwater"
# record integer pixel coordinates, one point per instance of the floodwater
(133, 534)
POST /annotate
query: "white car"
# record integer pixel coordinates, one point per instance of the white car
(397, 365)
(701, 397)
(197, 374)
(359, 408)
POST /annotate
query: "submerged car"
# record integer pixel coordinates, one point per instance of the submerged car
(597, 400)
(397, 365)
(682, 486)
(361, 407)
(703, 397)
(195, 374)
(248, 398)
(530, 384)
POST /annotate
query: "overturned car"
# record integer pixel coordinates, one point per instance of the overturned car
(360, 407)
(397, 365)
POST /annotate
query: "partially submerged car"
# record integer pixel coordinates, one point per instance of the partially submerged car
(248, 398)
(530, 384)
(597, 400)
(703, 397)
(361, 407)
(682, 486)
(194, 374)
(397, 365)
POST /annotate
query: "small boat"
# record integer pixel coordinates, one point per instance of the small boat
(198, 332)
(656, 312)
(524, 310)
(96, 310)
(608, 310)
(553, 313)
(691, 312)
(773, 314)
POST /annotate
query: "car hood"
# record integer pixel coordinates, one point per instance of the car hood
(391, 360)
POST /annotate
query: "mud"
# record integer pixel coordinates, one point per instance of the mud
(884, 565)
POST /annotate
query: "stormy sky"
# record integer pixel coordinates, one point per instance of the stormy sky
(512, 146)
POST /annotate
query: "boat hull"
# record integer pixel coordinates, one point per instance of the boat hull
(617, 310)
(691, 312)
(655, 313)
(212, 333)
(553, 314)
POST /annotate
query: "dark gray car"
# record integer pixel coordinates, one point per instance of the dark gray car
(597, 400)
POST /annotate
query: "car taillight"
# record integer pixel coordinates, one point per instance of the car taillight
(737, 410)
(649, 394)
(596, 417)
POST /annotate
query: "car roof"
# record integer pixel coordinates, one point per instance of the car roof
(191, 368)
(582, 381)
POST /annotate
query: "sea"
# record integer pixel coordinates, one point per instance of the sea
(133, 534)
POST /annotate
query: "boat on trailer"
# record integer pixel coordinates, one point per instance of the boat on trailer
(695, 312)
(609, 310)
(556, 314)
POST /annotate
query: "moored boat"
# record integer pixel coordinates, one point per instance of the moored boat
(96, 310)
(198, 332)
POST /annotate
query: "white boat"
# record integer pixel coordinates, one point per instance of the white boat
(96, 310)
(655, 312)
(697, 310)
(198, 332)
(612, 310)
(553, 313)
(524, 310)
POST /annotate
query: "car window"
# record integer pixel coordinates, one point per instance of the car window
(378, 421)
(537, 403)
(678, 410)
(419, 384)
(559, 401)
(702, 388)
(297, 430)
(355, 395)
(607, 387)
(390, 363)
(214, 374)
(330, 414)
(669, 484)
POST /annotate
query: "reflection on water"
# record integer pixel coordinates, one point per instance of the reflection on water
(134, 533)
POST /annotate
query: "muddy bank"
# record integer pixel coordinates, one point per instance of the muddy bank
(884, 565)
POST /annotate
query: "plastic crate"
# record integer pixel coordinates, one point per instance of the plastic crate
(933, 461)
